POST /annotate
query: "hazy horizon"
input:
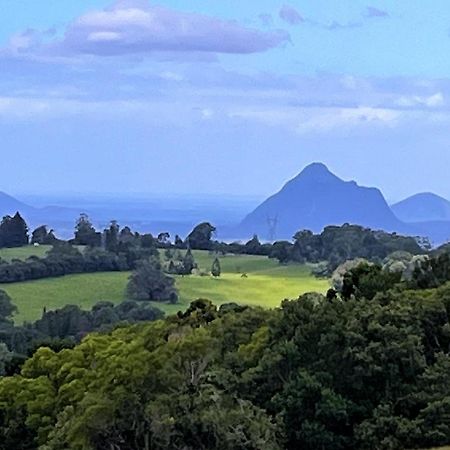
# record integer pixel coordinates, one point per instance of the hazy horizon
(43, 198)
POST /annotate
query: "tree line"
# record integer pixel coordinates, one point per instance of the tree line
(62, 328)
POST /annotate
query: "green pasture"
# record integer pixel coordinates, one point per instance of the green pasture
(24, 252)
(252, 280)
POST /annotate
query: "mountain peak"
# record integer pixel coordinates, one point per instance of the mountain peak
(315, 168)
(317, 198)
(422, 207)
(316, 172)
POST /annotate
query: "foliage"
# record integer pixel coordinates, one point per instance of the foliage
(85, 233)
(317, 373)
(431, 272)
(112, 237)
(5, 358)
(65, 259)
(42, 236)
(13, 231)
(149, 282)
(7, 309)
(367, 280)
(200, 237)
(64, 327)
(266, 284)
(215, 268)
(339, 244)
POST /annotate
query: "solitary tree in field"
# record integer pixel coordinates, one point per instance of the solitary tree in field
(188, 263)
(149, 282)
(215, 268)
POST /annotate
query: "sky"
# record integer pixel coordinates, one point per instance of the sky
(223, 97)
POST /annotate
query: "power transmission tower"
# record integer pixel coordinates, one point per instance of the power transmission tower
(272, 223)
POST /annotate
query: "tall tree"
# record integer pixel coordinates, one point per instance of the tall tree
(7, 309)
(13, 231)
(200, 237)
(215, 268)
(149, 282)
(188, 263)
(85, 233)
(253, 246)
(41, 235)
(112, 236)
(179, 242)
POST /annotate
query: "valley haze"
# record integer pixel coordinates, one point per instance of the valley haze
(313, 200)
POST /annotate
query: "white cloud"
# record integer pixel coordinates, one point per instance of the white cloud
(431, 101)
(129, 28)
(317, 120)
(104, 36)
(171, 76)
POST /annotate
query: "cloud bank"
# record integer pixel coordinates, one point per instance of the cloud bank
(136, 28)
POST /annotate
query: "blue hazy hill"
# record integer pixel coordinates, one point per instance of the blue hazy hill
(315, 199)
(422, 207)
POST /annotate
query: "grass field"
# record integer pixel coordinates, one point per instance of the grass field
(267, 284)
(24, 252)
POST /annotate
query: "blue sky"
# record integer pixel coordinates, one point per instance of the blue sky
(214, 96)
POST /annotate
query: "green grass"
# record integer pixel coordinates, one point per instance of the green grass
(267, 284)
(83, 290)
(24, 252)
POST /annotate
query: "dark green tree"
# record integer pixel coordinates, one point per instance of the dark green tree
(7, 309)
(215, 268)
(367, 280)
(43, 236)
(200, 237)
(163, 239)
(179, 242)
(188, 263)
(253, 246)
(149, 282)
(13, 231)
(112, 237)
(85, 233)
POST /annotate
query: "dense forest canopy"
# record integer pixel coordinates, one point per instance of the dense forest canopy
(320, 372)
(361, 368)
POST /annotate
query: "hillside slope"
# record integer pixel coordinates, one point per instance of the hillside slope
(422, 207)
(315, 199)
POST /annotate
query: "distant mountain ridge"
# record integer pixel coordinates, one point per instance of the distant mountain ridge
(10, 205)
(48, 215)
(422, 207)
(317, 198)
(312, 200)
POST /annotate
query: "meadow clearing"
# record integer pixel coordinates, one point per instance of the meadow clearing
(9, 254)
(265, 283)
